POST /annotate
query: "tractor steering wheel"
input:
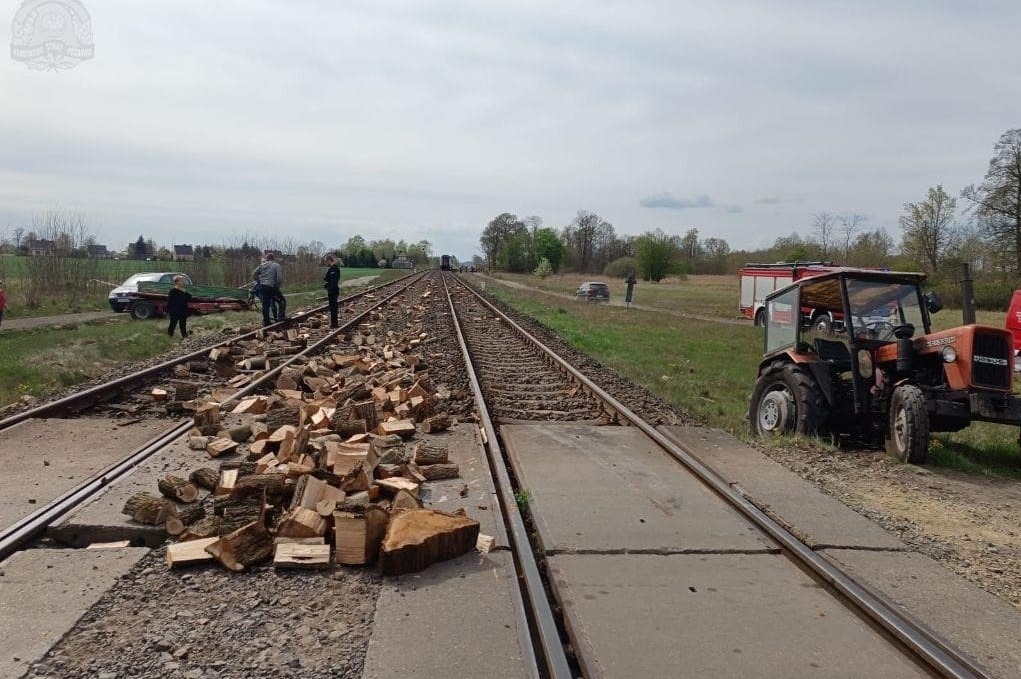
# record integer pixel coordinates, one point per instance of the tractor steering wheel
(881, 330)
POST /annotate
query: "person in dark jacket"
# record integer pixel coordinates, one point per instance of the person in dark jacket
(269, 275)
(332, 286)
(177, 307)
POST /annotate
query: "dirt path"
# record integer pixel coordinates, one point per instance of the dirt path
(62, 319)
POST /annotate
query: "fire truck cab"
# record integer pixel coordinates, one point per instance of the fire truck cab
(759, 280)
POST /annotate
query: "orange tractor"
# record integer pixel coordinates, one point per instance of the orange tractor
(880, 372)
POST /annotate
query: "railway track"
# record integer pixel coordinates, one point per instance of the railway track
(508, 381)
(516, 378)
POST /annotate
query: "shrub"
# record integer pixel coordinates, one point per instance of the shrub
(620, 267)
(544, 269)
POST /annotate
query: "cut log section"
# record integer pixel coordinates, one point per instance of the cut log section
(221, 446)
(176, 525)
(149, 509)
(417, 538)
(205, 477)
(247, 545)
(437, 472)
(176, 488)
(301, 523)
(403, 428)
(436, 423)
(430, 454)
(349, 538)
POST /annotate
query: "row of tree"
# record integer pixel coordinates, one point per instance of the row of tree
(935, 236)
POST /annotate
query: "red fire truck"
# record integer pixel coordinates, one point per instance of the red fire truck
(758, 280)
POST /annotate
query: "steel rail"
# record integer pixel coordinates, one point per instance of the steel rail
(545, 626)
(26, 529)
(938, 654)
(93, 395)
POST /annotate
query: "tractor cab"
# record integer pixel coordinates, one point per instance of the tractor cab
(878, 369)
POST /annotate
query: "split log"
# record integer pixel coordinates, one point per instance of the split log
(310, 492)
(376, 521)
(270, 486)
(192, 551)
(175, 525)
(278, 417)
(412, 471)
(247, 545)
(205, 477)
(207, 419)
(402, 428)
(404, 500)
(438, 472)
(293, 554)
(149, 509)
(252, 405)
(184, 390)
(430, 454)
(350, 532)
(349, 428)
(159, 394)
(417, 538)
(436, 423)
(176, 488)
(228, 477)
(365, 410)
(301, 523)
(208, 527)
(358, 479)
(221, 446)
(391, 486)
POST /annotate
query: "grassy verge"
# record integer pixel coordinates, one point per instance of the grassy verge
(699, 366)
(708, 369)
(40, 362)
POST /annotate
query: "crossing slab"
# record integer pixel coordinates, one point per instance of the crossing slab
(604, 488)
(817, 519)
(43, 593)
(713, 615)
(36, 472)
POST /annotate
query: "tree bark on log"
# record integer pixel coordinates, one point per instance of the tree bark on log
(301, 523)
(205, 477)
(176, 488)
(438, 472)
(436, 423)
(365, 410)
(247, 545)
(271, 486)
(426, 454)
(149, 509)
(207, 419)
(376, 521)
(207, 527)
(175, 525)
(349, 428)
(417, 538)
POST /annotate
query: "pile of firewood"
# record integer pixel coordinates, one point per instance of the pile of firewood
(325, 460)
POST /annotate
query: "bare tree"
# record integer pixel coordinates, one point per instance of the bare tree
(929, 228)
(849, 226)
(823, 226)
(997, 200)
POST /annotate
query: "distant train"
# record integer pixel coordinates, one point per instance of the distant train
(445, 263)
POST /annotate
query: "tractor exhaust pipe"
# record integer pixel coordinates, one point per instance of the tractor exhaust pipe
(967, 295)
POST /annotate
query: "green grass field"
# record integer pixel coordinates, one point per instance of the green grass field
(708, 368)
(41, 362)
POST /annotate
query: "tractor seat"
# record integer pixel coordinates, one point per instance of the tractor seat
(833, 352)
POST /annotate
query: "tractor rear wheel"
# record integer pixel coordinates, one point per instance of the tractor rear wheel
(786, 400)
(907, 433)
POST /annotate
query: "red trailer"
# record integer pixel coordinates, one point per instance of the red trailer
(151, 300)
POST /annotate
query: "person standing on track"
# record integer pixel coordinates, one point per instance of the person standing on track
(3, 302)
(177, 307)
(270, 276)
(332, 286)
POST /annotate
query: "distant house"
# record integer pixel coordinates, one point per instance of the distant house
(184, 253)
(401, 261)
(99, 252)
(41, 247)
(280, 256)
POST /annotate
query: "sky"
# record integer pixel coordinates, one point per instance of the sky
(301, 120)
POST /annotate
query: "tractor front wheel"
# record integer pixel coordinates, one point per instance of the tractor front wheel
(907, 434)
(786, 400)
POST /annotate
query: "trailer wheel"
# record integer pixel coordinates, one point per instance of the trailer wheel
(786, 400)
(822, 325)
(907, 433)
(143, 310)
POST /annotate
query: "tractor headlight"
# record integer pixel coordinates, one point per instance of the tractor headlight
(949, 354)
(865, 367)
